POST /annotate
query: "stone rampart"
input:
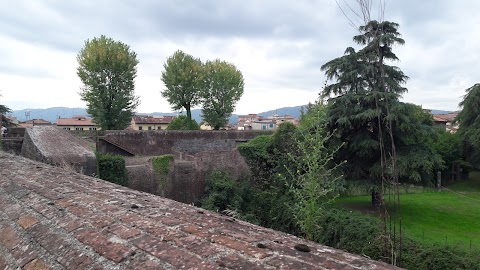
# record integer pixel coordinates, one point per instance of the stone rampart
(55, 146)
(196, 155)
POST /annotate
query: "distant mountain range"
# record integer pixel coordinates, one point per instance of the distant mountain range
(52, 114)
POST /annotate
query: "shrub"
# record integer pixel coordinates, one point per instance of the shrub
(181, 123)
(112, 168)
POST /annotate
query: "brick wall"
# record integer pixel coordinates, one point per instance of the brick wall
(53, 219)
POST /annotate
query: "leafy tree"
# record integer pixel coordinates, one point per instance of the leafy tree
(4, 121)
(469, 122)
(181, 123)
(223, 87)
(183, 79)
(107, 69)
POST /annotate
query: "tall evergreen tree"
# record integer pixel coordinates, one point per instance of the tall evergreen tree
(365, 110)
(469, 123)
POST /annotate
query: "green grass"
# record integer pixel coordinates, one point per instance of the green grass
(449, 217)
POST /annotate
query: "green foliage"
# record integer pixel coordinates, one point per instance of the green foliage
(107, 69)
(222, 89)
(161, 165)
(258, 154)
(314, 177)
(181, 122)
(223, 193)
(367, 115)
(362, 234)
(112, 168)
(469, 123)
(182, 77)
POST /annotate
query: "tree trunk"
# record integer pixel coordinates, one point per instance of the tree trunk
(376, 199)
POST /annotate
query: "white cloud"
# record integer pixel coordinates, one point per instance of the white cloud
(278, 45)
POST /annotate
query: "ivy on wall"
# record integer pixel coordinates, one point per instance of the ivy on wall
(161, 165)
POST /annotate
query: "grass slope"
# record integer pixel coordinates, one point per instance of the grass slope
(449, 217)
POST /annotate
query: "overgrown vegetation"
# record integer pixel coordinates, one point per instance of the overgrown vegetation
(112, 168)
(161, 165)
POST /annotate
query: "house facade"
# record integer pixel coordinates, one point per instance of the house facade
(78, 122)
(147, 122)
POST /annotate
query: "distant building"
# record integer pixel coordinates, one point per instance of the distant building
(447, 120)
(267, 124)
(78, 122)
(258, 122)
(35, 122)
(146, 122)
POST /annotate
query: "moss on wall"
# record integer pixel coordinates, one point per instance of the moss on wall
(161, 165)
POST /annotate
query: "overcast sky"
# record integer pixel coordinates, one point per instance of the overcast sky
(278, 45)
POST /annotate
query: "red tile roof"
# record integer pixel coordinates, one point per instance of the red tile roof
(146, 119)
(76, 121)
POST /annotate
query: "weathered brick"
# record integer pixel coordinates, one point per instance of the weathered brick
(243, 247)
(123, 231)
(143, 263)
(27, 221)
(174, 256)
(236, 262)
(74, 259)
(113, 251)
(36, 264)
(282, 262)
(24, 253)
(8, 237)
(48, 239)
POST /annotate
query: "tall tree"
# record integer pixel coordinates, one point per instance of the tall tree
(4, 121)
(107, 69)
(183, 81)
(469, 122)
(223, 88)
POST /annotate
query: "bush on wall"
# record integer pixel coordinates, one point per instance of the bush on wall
(112, 168)
(161, 165)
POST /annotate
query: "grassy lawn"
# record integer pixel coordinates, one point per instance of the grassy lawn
(451, 216)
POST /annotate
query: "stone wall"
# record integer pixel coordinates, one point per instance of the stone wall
(196, 155)
(55, 146)
(51, 218)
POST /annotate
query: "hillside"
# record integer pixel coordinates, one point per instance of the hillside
(51, 114)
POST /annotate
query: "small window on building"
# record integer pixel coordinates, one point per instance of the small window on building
(79, 128)
(271, 125)
(92, 128)
(159, 128)
(149, 128)
(140, 127)
(264, 127)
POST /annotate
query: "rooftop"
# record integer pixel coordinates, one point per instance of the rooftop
(78, 120)
(145, 119)
(51, 218)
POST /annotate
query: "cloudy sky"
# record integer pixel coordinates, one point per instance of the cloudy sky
(279, 45)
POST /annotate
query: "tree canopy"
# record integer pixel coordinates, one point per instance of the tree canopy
(222, 89)
(469, 122)
(107, 69)
(182, 77)
(365, 111)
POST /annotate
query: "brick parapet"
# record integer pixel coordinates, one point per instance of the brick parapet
(53, 219)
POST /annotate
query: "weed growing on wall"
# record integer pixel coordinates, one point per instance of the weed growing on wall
(161, 165)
